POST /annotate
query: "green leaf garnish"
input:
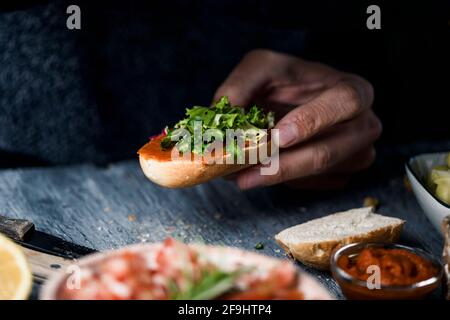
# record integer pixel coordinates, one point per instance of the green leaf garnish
(220, 117)
(212, 284)
(259, 246)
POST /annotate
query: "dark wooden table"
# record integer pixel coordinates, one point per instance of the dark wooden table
(109, 207)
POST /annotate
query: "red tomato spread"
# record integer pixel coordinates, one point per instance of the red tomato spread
(153, 150)
(398, 267)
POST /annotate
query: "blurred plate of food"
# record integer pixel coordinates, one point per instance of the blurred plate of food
(176, 271)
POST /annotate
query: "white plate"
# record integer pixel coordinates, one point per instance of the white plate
(417, 169)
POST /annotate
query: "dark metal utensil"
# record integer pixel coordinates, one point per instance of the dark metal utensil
(45, 253)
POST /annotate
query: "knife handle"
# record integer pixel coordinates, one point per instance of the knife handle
(43, 265)
(15, 228)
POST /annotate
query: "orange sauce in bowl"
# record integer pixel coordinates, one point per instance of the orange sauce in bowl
(398, 267)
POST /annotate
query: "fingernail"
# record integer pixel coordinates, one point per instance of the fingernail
(250, 179)
(288, 133)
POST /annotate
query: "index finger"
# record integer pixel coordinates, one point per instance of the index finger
(344, 101)
(247, 78)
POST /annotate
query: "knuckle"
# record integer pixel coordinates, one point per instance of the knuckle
(260, 53)
(263, 55)
(321, 157)
(285, 173)
(375, 127)
(369, 91)
(307, 122)
(366, 90)
(349, 97)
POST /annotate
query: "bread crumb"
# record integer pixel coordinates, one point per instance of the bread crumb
(371, 202)
(132, 218)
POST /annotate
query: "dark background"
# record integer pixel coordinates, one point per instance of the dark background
(97, 94)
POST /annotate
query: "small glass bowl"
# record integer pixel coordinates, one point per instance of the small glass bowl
(354, 288)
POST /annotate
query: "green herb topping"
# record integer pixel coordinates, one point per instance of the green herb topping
(214, 122)
(212, 284)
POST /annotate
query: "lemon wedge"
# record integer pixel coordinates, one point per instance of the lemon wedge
(15, 275)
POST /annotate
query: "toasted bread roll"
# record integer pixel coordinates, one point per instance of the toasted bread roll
(161, 168)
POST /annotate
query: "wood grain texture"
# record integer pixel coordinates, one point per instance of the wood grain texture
(106, 208)
(44, 265)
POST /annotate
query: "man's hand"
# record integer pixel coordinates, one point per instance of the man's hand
(327, 129)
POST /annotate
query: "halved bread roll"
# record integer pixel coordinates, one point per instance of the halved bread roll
(159, 166)
(313, 242)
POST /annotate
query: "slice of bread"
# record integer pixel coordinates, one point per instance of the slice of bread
(313, 242)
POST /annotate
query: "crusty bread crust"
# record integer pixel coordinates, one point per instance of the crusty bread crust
(180, 173)
(318, 254)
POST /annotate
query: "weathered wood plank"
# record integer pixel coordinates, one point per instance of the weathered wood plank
(110, 207)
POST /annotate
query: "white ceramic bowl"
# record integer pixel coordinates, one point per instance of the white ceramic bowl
(418, 169)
